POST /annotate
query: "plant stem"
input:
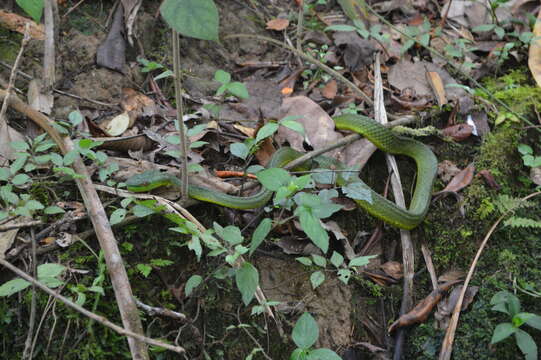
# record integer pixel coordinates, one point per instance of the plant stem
(183, 147)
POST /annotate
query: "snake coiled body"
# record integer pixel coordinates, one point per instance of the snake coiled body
(379, 207)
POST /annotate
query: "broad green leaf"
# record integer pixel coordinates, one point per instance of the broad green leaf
(117, 216)
(361, 260)
(50, 270)
(312, 227)
(317, 278)
(358, 191)
(344, 275)
(230, 233)
(502, 331)
(484, 27)
(526, 344)
(260, 233)
(222, 76)
(319, 260)
(299, 354)
(51, 282)
(247, 279)
(13, 286)
(34, 205)
(194, 18)
(198, 144)
(194, 244)
(239, 150)
(20, 179)
(19, 145)
(534, 321)
(70, 157)
(173, 139)
(273, 178)
(4, 174)
(18, 163)
(45, 146)
(192, 283)
(163, 75)
(238, 89)
(323, 354)
(142, 211)
(266, 131)
(305, 332)
(304, 260)
(293, 125)
(337, 259)
(196, 130)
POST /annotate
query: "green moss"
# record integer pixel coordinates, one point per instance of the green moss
(9, 45)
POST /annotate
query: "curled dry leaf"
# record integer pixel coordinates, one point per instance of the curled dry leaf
(423, 309)
(447, 170)
(117, 125)
(17, 23)
(460, 181)
(489, 179)
(435, 82)
(330, 90)
(393, 269)
(277, 24)
(534, 55)
(446, 307)
(126, 143)
(451, 275)
(458, 132)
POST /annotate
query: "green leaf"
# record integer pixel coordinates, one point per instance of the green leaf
(142, 211)
(144, 269)
(222, 76)
(337, 259)
(198, 144)
(305, 332)
(18, 163)
(195, 245)
(13, 286)
(8, 195)
(238, 89)
(502, 331)
(361, 260)
(323, 354)
(34, 205)
(324, 176)
(191, 284)
(317, 278)
(161, 262)
(50, 270)
(45, 146)
(534, 321)
(117, 216)
(266, 131)
(358, 191)
(247, 279)
(340, 28)
(173, 139)
(273, 178)
(196, 130)
(194, 18)
(230, 233)
(19, 145)
(53, 209)
(312, 227)
(239, 150)
(51, 282)
(526, 344)
(299, 354)
(163, 75)
(20, 179)
(319, 260)
(505, 302)
(260, 233)
(4, 174)
(75, 117)
(34, 8)
(293, 125)
(484, 28)
(70, 157)
(344, 275)
(304, 260)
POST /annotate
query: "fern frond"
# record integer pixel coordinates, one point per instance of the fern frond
(516, 221)
(505, 203)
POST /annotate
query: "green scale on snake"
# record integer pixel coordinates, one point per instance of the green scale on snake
(379, 207)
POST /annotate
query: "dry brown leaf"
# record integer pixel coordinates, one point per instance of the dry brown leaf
(330, 89)
(17, 23)
(447, 170)
(318, 125)
(489, 179)
(248, 131)
(126, 143)
(117, 125)
(435, 82)
(423, 309)
(460, 181)
(458, 132)
(277, 24)
(393, 269)
(534, 55)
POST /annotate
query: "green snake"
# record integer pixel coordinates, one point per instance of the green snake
(379, 207)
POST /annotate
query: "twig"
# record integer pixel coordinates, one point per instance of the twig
(252, 337)
(447, 345)
(101, 319)
(30, 223)
(32, 321)
(183, 146)
(152, 310)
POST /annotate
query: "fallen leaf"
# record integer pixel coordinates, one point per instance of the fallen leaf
(435, 82)
(460, 181)
(446, 307)
(277, 24)
(393, 269)
(422, 310)
(7, 135)
(458, 132)
(357, 51)
(18, 23)
(535, 175)
(447, 170)
(451, 275)
(489, 179)
(330, 89)
(534, 54)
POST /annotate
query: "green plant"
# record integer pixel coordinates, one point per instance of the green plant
(34, 8)
(234, 88)
(149, 66)
(528, 156)
(304, 335)
(509, 304)
(47, 274)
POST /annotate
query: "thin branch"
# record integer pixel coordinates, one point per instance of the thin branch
(102, 320)
(27, 353)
